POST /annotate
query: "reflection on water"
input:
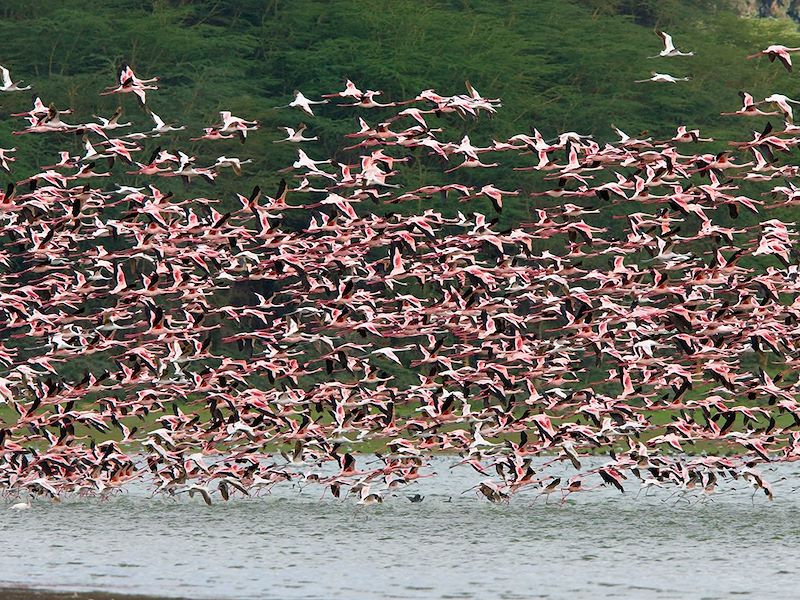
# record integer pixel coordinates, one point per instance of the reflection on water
(291, 544)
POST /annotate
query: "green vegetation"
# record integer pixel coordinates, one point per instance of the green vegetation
(557, 65)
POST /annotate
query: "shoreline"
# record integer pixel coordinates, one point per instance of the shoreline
(35, 593)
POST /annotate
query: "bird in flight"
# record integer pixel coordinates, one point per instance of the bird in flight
(663, 78)
(669, 47)
(782, 53)
(303, 103)
(8, 85)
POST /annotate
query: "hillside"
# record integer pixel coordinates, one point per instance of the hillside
(557, 66)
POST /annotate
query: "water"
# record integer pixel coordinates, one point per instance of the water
(292, 545)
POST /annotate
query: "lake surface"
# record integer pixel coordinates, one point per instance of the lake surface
(291, 544)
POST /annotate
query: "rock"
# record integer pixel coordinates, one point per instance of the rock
(778, 9)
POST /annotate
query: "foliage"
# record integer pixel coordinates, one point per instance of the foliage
(557, 65)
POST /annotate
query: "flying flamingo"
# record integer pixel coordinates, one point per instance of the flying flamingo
(8, 85)
(130, 84)
(350, 91)
(160, 126)
(669, 47)
(303, 103)
(663, 78)
(784, 104)
(749, 107)
(295, 135)
(782, 53)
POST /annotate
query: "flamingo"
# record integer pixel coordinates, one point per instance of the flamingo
(749, 107)
(303, 103)
(350, 91)
(160, 126)
(784, 104)
(240, 126)
(663, 78)
(22, 505)
(8, 85)
(669, 47)
(6, 159)
(778, 51)
(233, 163)
(130, 84)
(295, 135)
(113, 122)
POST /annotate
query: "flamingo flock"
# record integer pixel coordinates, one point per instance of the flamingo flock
(649, 305)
